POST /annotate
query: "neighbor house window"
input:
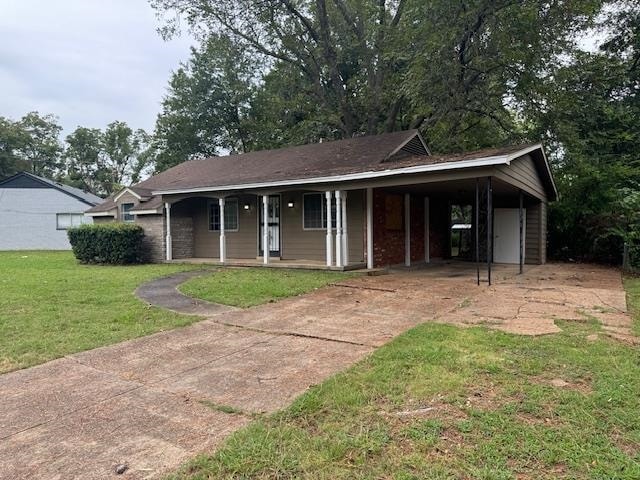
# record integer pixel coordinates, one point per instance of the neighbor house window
(125, 214)
(314, 211)
(230, 215)
(65, 221)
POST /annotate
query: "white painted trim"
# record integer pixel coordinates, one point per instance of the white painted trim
(265, 229)
(345, 238)
(424, 144)
(168, 240)
(427, 231)
(108, 213)
(148, 212)
(524, 151)
(482, 162)
(369, 228)
(407, 230)
(222, 238)
(339, 228)
(329, 239)
(126, 190)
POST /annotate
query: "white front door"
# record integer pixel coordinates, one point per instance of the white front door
(506, 234)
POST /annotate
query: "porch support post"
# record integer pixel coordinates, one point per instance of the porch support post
(369, 228)
(338, 228)
(489, 228)
(168, 245)
(427, 229)
(521, 214)
(407, 230)
(477, 229)
(265, 229)
(223, 242)
(329, 241)
(345, 238)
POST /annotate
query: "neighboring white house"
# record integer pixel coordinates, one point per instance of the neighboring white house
(36, 212)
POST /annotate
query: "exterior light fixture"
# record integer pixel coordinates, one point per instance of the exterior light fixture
(290, 204)
(247, 206)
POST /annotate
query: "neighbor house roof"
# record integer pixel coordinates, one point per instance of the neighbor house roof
(354, 158)
(29, 180)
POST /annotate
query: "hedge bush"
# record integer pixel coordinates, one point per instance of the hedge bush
(113, 243)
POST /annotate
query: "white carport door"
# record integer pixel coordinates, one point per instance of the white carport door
(506, 235)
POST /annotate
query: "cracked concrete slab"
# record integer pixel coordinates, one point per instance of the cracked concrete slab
(142, 402)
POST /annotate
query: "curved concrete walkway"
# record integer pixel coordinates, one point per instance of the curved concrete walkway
(163, 292)
(156, 401)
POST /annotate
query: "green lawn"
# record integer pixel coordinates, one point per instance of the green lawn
(495, 413)
(632, 285)
(51, 306)
(246, 287)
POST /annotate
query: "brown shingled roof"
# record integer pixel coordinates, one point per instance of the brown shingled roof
(355, 155)
(327, 158)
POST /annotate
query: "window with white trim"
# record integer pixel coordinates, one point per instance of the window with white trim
(314, 211)
(230, 215)
(125, 214)
(64, 221)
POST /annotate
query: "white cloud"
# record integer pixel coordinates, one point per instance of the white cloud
(89, 62)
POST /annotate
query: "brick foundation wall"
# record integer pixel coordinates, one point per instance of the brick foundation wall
(182, 237)
(154, 236)
(388, 245)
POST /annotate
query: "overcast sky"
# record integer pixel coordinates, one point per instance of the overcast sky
(89, 62)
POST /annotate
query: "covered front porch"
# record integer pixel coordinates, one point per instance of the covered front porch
(479, 220)
(302, 228)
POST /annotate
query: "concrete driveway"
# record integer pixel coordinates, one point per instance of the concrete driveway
(154, 402)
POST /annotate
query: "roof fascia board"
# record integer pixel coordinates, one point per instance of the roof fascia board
(482, 162)
(48, 185)
(424, 144)
(109, 213)
(532, 148)
(126, 190)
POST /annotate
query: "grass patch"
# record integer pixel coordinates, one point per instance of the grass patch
(51, 306)
(632, 286)
(441, 402)
(246, 287)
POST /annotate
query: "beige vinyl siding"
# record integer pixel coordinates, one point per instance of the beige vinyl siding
(240, 244)
(301, 244)
(522, 173)
(356, 213)
(297, 243)
(536, 234)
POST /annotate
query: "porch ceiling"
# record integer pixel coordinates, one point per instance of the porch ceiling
(462, 190)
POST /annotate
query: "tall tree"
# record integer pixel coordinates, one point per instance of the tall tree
(206, 108)
(84, 159)
(450, 68)
(12, 141)
(103, 162)
(122, 148)
(42, 149)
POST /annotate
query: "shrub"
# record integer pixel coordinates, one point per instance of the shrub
(113, 243)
